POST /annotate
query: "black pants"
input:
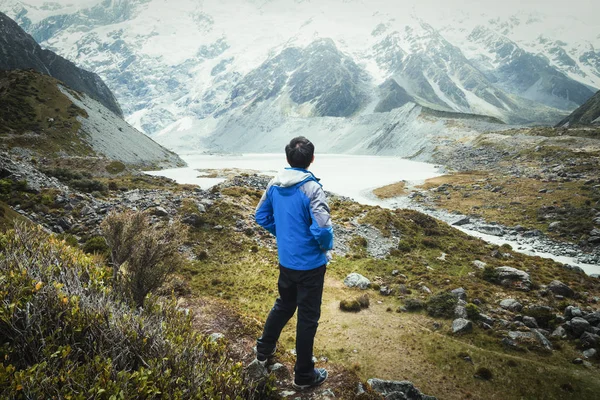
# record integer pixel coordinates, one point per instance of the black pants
(302, 290)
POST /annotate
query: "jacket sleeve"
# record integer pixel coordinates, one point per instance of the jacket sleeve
(321, 227)
(264, 212)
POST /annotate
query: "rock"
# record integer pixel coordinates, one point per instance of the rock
(406, 388)
(215, 337)
(572, 312)
(395, 272)
(193, 220)
(425, 289)
(461, 325)
(462, 221)
(327, 394)
(594, 240)
(533, 340)
(542, 340)
(588, 340)
(159, 212)
(590, 353)
(256, 371)
(577, 361)
(511, 305)
(595, 232)
(577, 326)
(479, 264)
(491, 230)
(280, 370)
(557, 287)
(530, 322)
(514, 278)
(460, 312)
(460, 294)
(357, 280)
(385, 291)
(559, 333)
(486, 319)
(593, 318)
(554, 225)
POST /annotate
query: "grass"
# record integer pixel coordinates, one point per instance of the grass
(36, 115)
(242, 270)
(513, 201)
(390, 191)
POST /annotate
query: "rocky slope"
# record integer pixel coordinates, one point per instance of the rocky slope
(586, 114)
(20, 51)
(278, 64)
(42, 116)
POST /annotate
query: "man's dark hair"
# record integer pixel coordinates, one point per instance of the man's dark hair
(299, 152)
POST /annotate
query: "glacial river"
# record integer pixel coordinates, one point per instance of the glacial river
(351, 176)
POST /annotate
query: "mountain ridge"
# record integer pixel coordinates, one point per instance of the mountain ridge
(21, 51)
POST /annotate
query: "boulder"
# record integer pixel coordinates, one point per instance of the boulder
(461, 325)
(397, 389)
(513, 278)
(577, 326)
(572, 312)
(385, 291)
(460, 311)
(557, 287)
(357, 280)
(486, 319)
(533, 340)
(462, 221)
(460, 294)
(491, 230)
(479, 264)
(530, 322)
(589, 340)
(559, 333)
(590, 353)
(511, 305)
(593, 318)
(256, 371)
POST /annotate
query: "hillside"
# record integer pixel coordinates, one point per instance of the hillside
(455, 316)
(41, 115)
(587, 114)
(20, 51)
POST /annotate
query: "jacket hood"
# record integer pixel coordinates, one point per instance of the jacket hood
(292, 176)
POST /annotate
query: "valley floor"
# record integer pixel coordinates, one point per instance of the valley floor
(534, 350)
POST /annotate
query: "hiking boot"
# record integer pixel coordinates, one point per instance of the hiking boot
(262, 358)
(318, 379)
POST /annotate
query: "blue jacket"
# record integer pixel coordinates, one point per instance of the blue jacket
(294, 209)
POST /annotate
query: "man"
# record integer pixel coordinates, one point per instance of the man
(294, 209)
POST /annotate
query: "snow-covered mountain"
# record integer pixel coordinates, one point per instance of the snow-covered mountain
(239, 74)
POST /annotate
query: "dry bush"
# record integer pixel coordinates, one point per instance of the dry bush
(142, 255)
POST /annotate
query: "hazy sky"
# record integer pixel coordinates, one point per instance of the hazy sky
(585, 10)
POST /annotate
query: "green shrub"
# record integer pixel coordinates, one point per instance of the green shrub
(489, 274)
(65, 335)
(404, 246)
(69, 239)
(442, 305)
(473, 311)
(96, 244)
(430, 242)
(413, 304)
(115, 167)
